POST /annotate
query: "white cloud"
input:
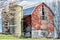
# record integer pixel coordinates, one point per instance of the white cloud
(27, 4)
(31, 3)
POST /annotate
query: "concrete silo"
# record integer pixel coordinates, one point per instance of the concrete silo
(13, 19)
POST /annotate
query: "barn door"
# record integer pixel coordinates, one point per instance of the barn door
(27, 27)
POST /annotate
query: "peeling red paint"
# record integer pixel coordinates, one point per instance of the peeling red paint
(36, 16)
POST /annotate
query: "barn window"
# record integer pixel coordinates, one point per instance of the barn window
(43, 17)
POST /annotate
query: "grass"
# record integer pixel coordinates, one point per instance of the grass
(5, 37)
(10, 37)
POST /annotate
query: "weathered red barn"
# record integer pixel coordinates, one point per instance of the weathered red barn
(43, 18)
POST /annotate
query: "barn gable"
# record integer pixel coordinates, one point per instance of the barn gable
(42, 18)
(42, 10)
(39, 6)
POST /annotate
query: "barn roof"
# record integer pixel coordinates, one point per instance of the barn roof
(30, 10)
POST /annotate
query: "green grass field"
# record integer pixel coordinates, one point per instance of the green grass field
(10, 37)
(5, 37)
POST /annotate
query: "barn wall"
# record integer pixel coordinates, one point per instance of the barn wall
(39, 24)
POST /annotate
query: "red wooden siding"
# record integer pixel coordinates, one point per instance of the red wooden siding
(27, 20)
(39, 24)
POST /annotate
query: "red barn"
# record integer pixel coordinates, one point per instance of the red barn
(43, 18)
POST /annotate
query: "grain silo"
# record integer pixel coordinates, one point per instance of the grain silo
(12, 19)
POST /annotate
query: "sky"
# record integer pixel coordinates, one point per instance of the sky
(0, 22)
(30, 3)
(25, 3)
